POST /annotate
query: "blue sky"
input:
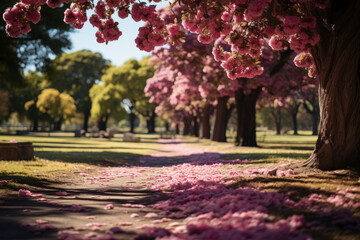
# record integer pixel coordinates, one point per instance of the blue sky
(116, 51)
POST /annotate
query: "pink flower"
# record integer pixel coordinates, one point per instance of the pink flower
(109, 207)
(24, 193)
(62, 193)
(151, 215)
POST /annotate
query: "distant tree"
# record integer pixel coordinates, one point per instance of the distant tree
(49, 37)
(26, 99)
(75, 73)
(58, 106)
(106, 103)
(131, 76)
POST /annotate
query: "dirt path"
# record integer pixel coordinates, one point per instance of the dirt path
(89, 203)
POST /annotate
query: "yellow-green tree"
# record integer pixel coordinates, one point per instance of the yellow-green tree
(58, 106)
(131, 76)
(106, 103)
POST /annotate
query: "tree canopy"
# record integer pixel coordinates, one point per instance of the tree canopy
(57, 105)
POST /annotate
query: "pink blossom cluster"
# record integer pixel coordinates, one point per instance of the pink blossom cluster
(18, 17)
(76, 15)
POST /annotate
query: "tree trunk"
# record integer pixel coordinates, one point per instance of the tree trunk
(86, 120)
(222, 117)
(35, 126)
(57, 125)
(151, 123)
(205, 121)
(337, 59)
(294, 120)
(195, 126)
(294, 109)
(314, 114)
(102, 122)
(246, 117)
(187, 126)
(177, 129)
(276, 113)
(167, 127)
(240, 115)
(132, 117)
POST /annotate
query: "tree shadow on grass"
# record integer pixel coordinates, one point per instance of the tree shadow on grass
(104, 158)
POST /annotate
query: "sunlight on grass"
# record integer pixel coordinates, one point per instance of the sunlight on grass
(61, 153)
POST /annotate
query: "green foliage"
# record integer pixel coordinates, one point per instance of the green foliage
(107, 101)
(75, 73)
(132, 77)
(49, 37)
(57, 105)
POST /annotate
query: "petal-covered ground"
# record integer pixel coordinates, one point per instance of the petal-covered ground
(179, 192)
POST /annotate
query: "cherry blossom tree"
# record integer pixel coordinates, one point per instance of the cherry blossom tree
(323, 33)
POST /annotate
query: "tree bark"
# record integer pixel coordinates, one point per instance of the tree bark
(205, 121)
(337, 58)
(223, 113)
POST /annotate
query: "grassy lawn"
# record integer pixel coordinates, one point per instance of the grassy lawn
(61, 153)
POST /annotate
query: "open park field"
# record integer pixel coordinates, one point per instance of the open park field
(184, 188)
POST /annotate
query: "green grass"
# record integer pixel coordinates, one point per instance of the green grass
(272, 149)
(61, 153)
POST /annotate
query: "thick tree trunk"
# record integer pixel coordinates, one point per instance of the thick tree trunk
(86, 120)
(222, 117)
(246, 117)
(337, 59)
(132, 117)
(205, 121)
